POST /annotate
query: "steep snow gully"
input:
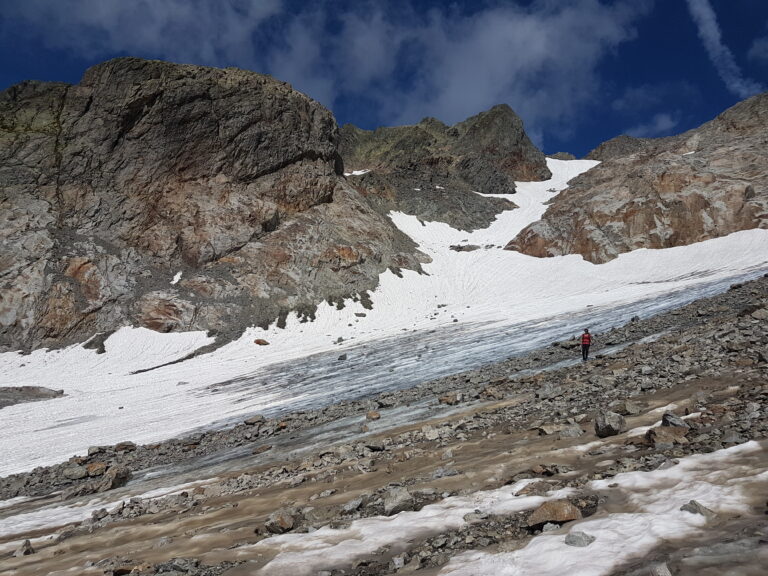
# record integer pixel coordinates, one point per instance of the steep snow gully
(469, 308)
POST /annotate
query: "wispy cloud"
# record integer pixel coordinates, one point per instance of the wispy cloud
(541, 57)
(709, 31)
(190, 31)
(660, 125)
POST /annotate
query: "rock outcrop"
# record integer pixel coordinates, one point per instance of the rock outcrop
(111, 188)
(432, 170)
(706, 183)
(618, 147)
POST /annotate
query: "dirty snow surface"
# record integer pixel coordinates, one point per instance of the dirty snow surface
(724, 482)
(470, 308)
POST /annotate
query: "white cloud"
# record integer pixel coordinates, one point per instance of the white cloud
(541, 58)
(660, 125)
(722, 58)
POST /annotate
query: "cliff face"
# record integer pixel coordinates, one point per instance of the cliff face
(145, 169)
(706, 183)
(433, 171)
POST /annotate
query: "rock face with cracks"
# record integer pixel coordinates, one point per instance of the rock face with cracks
(145, 169)
(432, 170)
(705, 183)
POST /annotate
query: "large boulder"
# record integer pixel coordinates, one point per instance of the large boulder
(554, 511)
(397, 499)
(609, 423)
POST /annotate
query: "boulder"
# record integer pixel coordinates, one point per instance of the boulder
(571, 431)
(609, 424)
(666, 435)
(397, 499)
(555, 511)
(627, 407)
(579, 539)
(24, 550)
(75, 472)
(695, 507)
(96, 468)
(669, 419)
(280, 521)
(115, 477)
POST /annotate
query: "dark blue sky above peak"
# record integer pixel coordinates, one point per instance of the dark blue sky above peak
(577, 71)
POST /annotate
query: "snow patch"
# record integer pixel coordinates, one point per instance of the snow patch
(720, 481)
(326, 548)
(176, 278)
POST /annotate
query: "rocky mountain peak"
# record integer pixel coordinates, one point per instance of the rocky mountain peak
(433, 171)
(145, 169)
(659, 193)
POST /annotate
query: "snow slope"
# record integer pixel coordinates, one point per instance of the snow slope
(485, 291)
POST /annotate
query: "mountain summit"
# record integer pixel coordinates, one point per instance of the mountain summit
(176, 197)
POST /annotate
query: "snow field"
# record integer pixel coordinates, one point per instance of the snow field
(106, 402)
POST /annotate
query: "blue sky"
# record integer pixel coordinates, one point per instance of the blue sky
(577, 71)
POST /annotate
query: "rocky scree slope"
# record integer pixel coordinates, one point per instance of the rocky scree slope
(659, 193)
(110, 187)
(706, 371)
(430, 170)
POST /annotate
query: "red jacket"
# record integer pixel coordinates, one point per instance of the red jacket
(586, 339)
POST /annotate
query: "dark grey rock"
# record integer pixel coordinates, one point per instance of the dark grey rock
(609, 424)
(579, 539)
(696, 508)
(669, 419)
(397, 499)
(24, 550)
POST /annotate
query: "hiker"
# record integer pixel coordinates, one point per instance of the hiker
(586, 340)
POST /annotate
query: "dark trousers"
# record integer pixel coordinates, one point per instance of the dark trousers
(585, 351)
